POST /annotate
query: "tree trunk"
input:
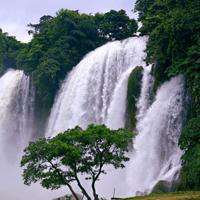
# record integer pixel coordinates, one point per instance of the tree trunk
(72, 191)
(94, 191)
(82, 189)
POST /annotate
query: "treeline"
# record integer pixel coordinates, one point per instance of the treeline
(9, 49)
(173, 27)
(59, 43)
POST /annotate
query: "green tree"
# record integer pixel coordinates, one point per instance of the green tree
(61, 160)
(37, 28)
(9, 49)
(190, 143)
(116, 25)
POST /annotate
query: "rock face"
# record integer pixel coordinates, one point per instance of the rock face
(133, 93)
(162, 186)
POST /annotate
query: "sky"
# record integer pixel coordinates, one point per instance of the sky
(16, 14)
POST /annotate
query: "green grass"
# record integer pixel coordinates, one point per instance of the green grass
(170, 196)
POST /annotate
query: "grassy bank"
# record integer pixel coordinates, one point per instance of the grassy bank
(170, 196)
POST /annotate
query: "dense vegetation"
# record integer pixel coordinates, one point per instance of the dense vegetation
(59, 161)
(9, 49)
(173, 27)
(58, 44)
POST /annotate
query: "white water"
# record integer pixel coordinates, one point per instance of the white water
(157, 155)
(16, 129)
(116, 114)
(95, 84)
(144, 99)
(16, 113)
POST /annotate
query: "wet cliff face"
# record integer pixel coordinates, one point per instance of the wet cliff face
(133, 93)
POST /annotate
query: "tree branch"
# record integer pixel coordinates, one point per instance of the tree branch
(80, 185)
(64, 180)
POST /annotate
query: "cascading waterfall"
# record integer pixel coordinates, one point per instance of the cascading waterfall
(89, 90)
(16, 130)
(144, 99)
(16, 110)
(116, 114)
(96, 92)
(156, 154)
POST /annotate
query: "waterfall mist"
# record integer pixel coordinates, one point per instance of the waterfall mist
(16, 111)
(16, 130)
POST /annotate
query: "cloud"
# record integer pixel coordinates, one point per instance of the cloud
(16, 14)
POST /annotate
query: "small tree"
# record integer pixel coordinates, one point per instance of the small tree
(61, 160)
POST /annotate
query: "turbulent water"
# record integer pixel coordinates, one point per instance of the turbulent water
(95, 91)
(116, 114)
(91, 87)
(157, 155)
(145, 93)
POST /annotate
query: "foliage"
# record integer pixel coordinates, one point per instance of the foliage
(173, 27)
(59, 161)
(134, 88)
(9, 48)
(117, 25)
(190, 142)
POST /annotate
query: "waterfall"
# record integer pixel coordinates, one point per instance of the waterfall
(95, 91)
(89, 92)
(144, 99)
(16, 130)
(116, 114)
(156, 154)
(16, 111)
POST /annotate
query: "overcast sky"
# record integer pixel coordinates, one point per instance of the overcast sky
(16, 14)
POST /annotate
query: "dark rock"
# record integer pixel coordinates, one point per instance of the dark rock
(133, 93)
(162, 187)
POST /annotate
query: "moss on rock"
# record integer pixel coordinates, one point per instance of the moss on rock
(133, 93)
(162, 187)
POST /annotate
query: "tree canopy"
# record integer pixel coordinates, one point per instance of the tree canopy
(9, 49)
(61, 160)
